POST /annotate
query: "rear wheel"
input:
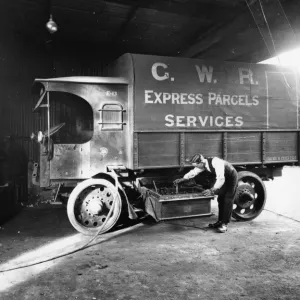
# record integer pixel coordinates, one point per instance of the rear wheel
(90, 203)
(250, 197)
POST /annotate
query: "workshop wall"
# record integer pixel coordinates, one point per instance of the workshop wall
(22, 59)
(20, 63)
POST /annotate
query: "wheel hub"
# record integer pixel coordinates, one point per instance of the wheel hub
(245, 196)
(95, 207)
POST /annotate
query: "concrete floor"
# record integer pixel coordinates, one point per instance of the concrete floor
(179, 259)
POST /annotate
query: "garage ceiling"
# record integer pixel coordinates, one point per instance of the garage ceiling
(217, 29)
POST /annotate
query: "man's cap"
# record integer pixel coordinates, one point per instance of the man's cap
(197, 158)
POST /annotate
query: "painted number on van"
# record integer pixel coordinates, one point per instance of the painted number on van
(279, 158)
(111, 93)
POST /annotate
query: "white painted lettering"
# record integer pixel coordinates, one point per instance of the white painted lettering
(248, 103)
(202, 121)
(191, 98)
(155, 74)
(217, 123)
(199, 99)
(157, 98)
(204, 72)
(255, 100)
(169, 118)
(148, 96)
(191, 121)
(175, 98)
(241, 100)
(226, 99)
(183, 98)
(179, 121)
(234, 102)
(239, 121)
(211, 97)
(166, 97)
(228, 122)
(219, 100)
(246, 74)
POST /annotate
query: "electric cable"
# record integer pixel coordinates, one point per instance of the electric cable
(281, 215)
(206, 228)
(98, 232)
(253, 16)
(269, 30)
(286, 18)
(289, 89)
(69, 252)
(270, 34)
(259, 29)
(191, 226)
(273, 42)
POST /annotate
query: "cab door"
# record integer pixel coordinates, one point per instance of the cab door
(108, 146)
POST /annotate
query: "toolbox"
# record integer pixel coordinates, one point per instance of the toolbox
(163, 201)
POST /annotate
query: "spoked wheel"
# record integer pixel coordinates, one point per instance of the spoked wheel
(90, 203)
(250, 198)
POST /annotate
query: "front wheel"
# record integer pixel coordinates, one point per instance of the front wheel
(89, 205)
(250, 197)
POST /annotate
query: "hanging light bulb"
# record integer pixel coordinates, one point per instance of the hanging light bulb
(51, 25)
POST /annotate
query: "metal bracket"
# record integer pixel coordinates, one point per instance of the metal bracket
(182, 148)
(263, 147)
(135, 151)
(225, 145)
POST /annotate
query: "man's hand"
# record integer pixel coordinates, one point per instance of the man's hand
(207, 193)
(177, 181)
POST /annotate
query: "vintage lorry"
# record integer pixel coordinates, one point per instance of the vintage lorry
(135, 129)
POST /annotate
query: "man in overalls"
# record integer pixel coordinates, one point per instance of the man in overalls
(225, 185)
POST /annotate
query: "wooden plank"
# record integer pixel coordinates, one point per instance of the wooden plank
(244, 147)
(159, 149)
(208, 144)
(185, 208)
(281, 146)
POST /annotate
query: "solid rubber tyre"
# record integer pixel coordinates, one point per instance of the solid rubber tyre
(250, 197)
(73, 198)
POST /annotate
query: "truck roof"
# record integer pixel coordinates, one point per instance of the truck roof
(85, 79)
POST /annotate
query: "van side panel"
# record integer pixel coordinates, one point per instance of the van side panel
(245, 113)
(179, 94)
